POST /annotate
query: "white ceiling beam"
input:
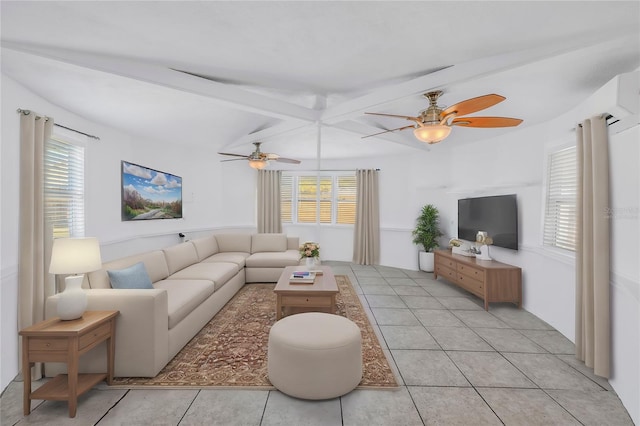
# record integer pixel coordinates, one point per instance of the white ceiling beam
(164, 76)
(460, 73)
(284, 127)
(359, 128)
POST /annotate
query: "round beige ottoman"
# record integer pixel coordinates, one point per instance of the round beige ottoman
(315, 355)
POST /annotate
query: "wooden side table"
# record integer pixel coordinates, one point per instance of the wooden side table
(54, 340)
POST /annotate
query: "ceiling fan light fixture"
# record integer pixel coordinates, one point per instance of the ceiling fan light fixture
(432, 133)
(258, 164)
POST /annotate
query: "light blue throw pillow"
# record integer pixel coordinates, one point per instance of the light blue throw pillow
(134, 276)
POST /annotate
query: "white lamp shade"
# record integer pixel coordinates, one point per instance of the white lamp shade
(75, 256)
(432, 133)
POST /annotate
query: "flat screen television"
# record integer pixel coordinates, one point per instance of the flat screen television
(497, 215)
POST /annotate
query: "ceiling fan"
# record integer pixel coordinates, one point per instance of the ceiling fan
(434, 124)
(258, 159)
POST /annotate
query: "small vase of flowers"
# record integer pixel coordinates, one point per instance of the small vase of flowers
(310, 251)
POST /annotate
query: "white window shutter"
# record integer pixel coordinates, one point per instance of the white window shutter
(560, 208)
(64, 188)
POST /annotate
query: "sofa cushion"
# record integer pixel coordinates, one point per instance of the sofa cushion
(268, 242)
(274, 260)
(234, 242)
(134, 276)
(293, 243)
(184, 296)
(218, 272)
(205, 247)
(154, 262)
(180, 256)
(239, 258)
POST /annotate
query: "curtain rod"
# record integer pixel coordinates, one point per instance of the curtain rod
(27, 112)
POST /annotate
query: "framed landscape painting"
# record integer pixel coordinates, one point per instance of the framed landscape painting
(150, 194)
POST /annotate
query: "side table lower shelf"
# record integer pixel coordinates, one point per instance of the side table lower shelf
(57, 389)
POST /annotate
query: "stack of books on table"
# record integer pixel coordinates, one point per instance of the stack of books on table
(302, 277)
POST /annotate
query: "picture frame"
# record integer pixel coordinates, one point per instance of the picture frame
(149, 194)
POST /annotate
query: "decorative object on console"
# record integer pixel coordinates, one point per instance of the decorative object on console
(149, 194)
(426, 234)
(74, 256)
(485, 241)
(460, 247)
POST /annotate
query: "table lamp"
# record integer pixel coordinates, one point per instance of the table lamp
(74, 256)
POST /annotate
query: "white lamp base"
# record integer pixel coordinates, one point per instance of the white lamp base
(73, 300)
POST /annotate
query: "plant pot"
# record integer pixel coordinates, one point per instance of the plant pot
(426, 261)
(310, 263)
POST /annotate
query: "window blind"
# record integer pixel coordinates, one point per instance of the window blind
(346, 200)
(299, 197)
(286, 198)
(64, 188)
(560, 207)
(308, 191)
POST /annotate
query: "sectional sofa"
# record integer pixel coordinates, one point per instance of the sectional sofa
(191, 282)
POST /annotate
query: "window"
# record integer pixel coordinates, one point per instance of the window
(64, 188)
(336, 194)
(560, 205)
(346, 200)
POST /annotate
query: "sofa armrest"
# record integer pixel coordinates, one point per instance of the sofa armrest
(142, 331)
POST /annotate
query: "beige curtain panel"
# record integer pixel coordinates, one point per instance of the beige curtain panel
(366, 236)
(592, 249)
(35, 283)
(269, 217)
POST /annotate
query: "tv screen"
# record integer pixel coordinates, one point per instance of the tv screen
(497, 215)
(150, 194)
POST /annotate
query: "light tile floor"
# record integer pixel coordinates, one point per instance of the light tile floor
(457, 365)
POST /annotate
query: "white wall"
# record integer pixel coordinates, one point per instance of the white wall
(516, 166)
(208, 200)
(625, 272)
(406, 184)
(222, 196)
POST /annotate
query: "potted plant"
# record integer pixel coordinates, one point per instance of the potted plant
(426, 234)
(309, 251)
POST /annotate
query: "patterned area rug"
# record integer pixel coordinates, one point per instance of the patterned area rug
(231, 350)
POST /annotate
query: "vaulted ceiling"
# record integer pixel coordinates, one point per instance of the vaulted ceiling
(225, 74)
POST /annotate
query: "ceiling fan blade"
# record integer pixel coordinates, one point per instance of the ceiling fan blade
(486, 122)
(287, 160)
(472, 105)
(391, 130)
(233, 159)
(234, 155)
(406, 117)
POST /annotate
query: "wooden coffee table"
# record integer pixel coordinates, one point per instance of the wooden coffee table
(319, 296)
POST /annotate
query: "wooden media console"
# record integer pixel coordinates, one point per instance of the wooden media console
(490, 280)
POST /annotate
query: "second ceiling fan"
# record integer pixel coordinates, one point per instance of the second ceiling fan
(434, 124)
(258, 159)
